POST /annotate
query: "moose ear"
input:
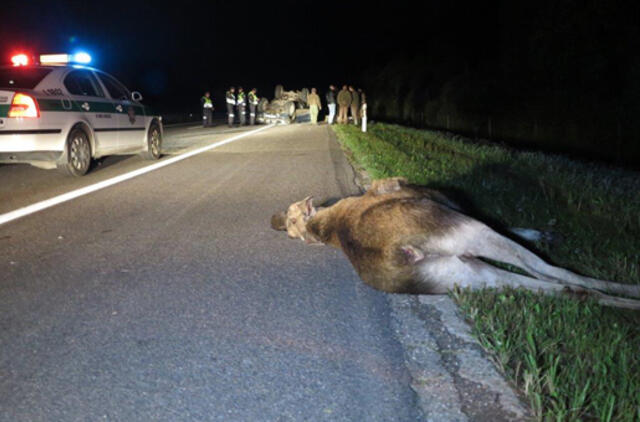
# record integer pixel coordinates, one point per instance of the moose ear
(412, 254)
(309, 210)
(279, 221)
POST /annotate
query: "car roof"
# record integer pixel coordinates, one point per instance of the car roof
(52, 67)
(55, 72)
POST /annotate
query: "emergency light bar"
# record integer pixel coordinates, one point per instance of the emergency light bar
(80, 57)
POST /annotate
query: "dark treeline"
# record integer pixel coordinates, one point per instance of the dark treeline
(558, 75)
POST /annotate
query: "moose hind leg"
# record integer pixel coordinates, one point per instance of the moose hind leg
(490, 244)
(444, 273)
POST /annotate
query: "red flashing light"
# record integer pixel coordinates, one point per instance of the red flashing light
(24, 105)
(20, 60)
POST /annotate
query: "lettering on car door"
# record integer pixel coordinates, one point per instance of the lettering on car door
(130, 116)
(87, 97)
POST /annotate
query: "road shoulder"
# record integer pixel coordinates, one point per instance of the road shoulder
(451, 373)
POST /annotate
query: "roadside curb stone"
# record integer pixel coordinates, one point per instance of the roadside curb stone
(451, 374)
(434, 385)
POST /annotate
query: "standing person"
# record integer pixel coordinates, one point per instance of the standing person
(315, 105)
(344, 101)
(231, 103)
(355, 105)
(253, 104)
(241, 103)
(331, 103)
(207, 109)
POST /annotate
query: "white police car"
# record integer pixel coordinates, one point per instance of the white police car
(58, 113)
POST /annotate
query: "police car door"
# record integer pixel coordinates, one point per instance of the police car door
(88, 98)
(130, 115)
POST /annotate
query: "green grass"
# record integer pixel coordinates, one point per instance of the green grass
(573, 360)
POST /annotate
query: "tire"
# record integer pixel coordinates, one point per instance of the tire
(78, 157)
(303, 96)
(154, 143)
(290, 108)
(262, 104)
(279, 91)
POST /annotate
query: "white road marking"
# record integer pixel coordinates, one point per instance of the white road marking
(39, 206)
(204, 134)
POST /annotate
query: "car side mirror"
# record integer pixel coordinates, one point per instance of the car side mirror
(136, 96)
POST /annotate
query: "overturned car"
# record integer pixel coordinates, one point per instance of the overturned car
(286, 107)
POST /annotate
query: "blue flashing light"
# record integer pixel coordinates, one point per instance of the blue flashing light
(81, 57)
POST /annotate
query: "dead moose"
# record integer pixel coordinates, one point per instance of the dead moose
(404, 238)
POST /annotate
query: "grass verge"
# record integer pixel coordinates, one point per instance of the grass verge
(573, 360)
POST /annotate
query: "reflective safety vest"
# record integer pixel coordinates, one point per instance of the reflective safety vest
(206, 102)
(240, 101)
(253, 98)
(231, 99)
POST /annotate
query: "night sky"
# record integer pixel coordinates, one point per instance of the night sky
(558, 59)
(171, 53)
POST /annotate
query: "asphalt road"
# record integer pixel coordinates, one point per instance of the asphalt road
(168, 296)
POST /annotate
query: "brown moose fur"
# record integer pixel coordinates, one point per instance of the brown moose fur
(404, 238)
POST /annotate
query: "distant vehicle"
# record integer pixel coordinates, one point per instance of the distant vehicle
(59, 113)
(286, 107)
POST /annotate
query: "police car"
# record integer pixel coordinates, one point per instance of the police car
(61, 113)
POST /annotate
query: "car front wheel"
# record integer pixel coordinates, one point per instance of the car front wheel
(78, 157)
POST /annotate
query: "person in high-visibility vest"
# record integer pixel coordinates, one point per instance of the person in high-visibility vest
(253, 105)
(231, 103)
(207, 109)
(241, 103)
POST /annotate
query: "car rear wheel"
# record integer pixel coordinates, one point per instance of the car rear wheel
(78, 157)
(154, 143)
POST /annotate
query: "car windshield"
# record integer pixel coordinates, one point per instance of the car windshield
(22, 77)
